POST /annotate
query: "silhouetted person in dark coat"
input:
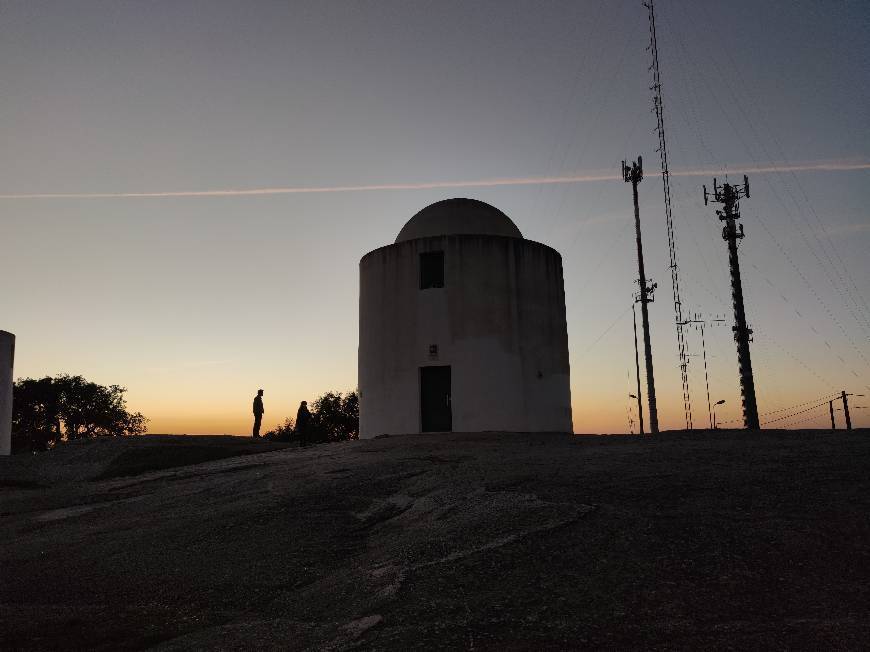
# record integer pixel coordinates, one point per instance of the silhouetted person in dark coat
(258, 413)
(303, 423)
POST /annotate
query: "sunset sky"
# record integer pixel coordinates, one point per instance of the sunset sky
(187, 188)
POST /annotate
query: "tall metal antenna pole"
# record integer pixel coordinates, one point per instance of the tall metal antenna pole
(729, 196)
(634, 175)
(637, 368)
(666, 183)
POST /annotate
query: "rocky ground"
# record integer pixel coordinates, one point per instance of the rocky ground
(729, 540)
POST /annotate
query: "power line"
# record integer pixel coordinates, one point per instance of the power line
(778, 145)
(782, 249)
(607, 330)
(825, 403)
(605, 100)
(767, 336)
(824, 398)
(584, 65)
(791, 407)
(799, 314)
(805, 419)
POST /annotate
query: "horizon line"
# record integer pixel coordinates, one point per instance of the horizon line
(816, 166)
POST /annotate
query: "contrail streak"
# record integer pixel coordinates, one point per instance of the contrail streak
(478, 183)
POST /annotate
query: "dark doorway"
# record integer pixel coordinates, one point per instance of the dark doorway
(436, 414)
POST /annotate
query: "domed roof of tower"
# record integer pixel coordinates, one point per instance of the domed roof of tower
(458, 216)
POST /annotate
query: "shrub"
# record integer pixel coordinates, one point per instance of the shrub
(284, 432)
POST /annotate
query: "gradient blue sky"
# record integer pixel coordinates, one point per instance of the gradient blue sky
(193, 302)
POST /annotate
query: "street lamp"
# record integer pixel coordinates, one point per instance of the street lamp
(639, 406)
(715, 424)
(630, 417)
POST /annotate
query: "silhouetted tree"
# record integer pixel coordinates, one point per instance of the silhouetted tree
(47, 410)
(335, 417)
(35, 414)
(284, 432)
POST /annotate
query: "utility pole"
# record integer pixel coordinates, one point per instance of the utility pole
(729, 196)
(846, 410)
(703, 322)
(637, 368)
(634, 175)
(706, 377)
(843, 396)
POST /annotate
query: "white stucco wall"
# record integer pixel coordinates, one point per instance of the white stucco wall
(499, 323)
(7, 355)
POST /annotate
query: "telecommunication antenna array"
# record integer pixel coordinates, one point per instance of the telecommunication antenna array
(729, 196)
(633, 174)
(672, 247)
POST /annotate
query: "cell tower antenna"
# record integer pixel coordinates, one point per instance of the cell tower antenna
(658, 107)
(729, 196)
(633, 174)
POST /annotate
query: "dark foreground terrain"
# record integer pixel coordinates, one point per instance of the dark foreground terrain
(728, 540)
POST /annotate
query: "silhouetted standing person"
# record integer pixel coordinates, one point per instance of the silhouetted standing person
(258, 413)
(303, 422)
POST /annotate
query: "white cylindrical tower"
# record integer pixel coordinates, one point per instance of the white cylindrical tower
(462, 328)
(7, 356)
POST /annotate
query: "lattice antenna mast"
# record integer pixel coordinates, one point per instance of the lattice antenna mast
(669, 218)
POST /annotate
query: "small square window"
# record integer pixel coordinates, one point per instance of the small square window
(432, 270)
